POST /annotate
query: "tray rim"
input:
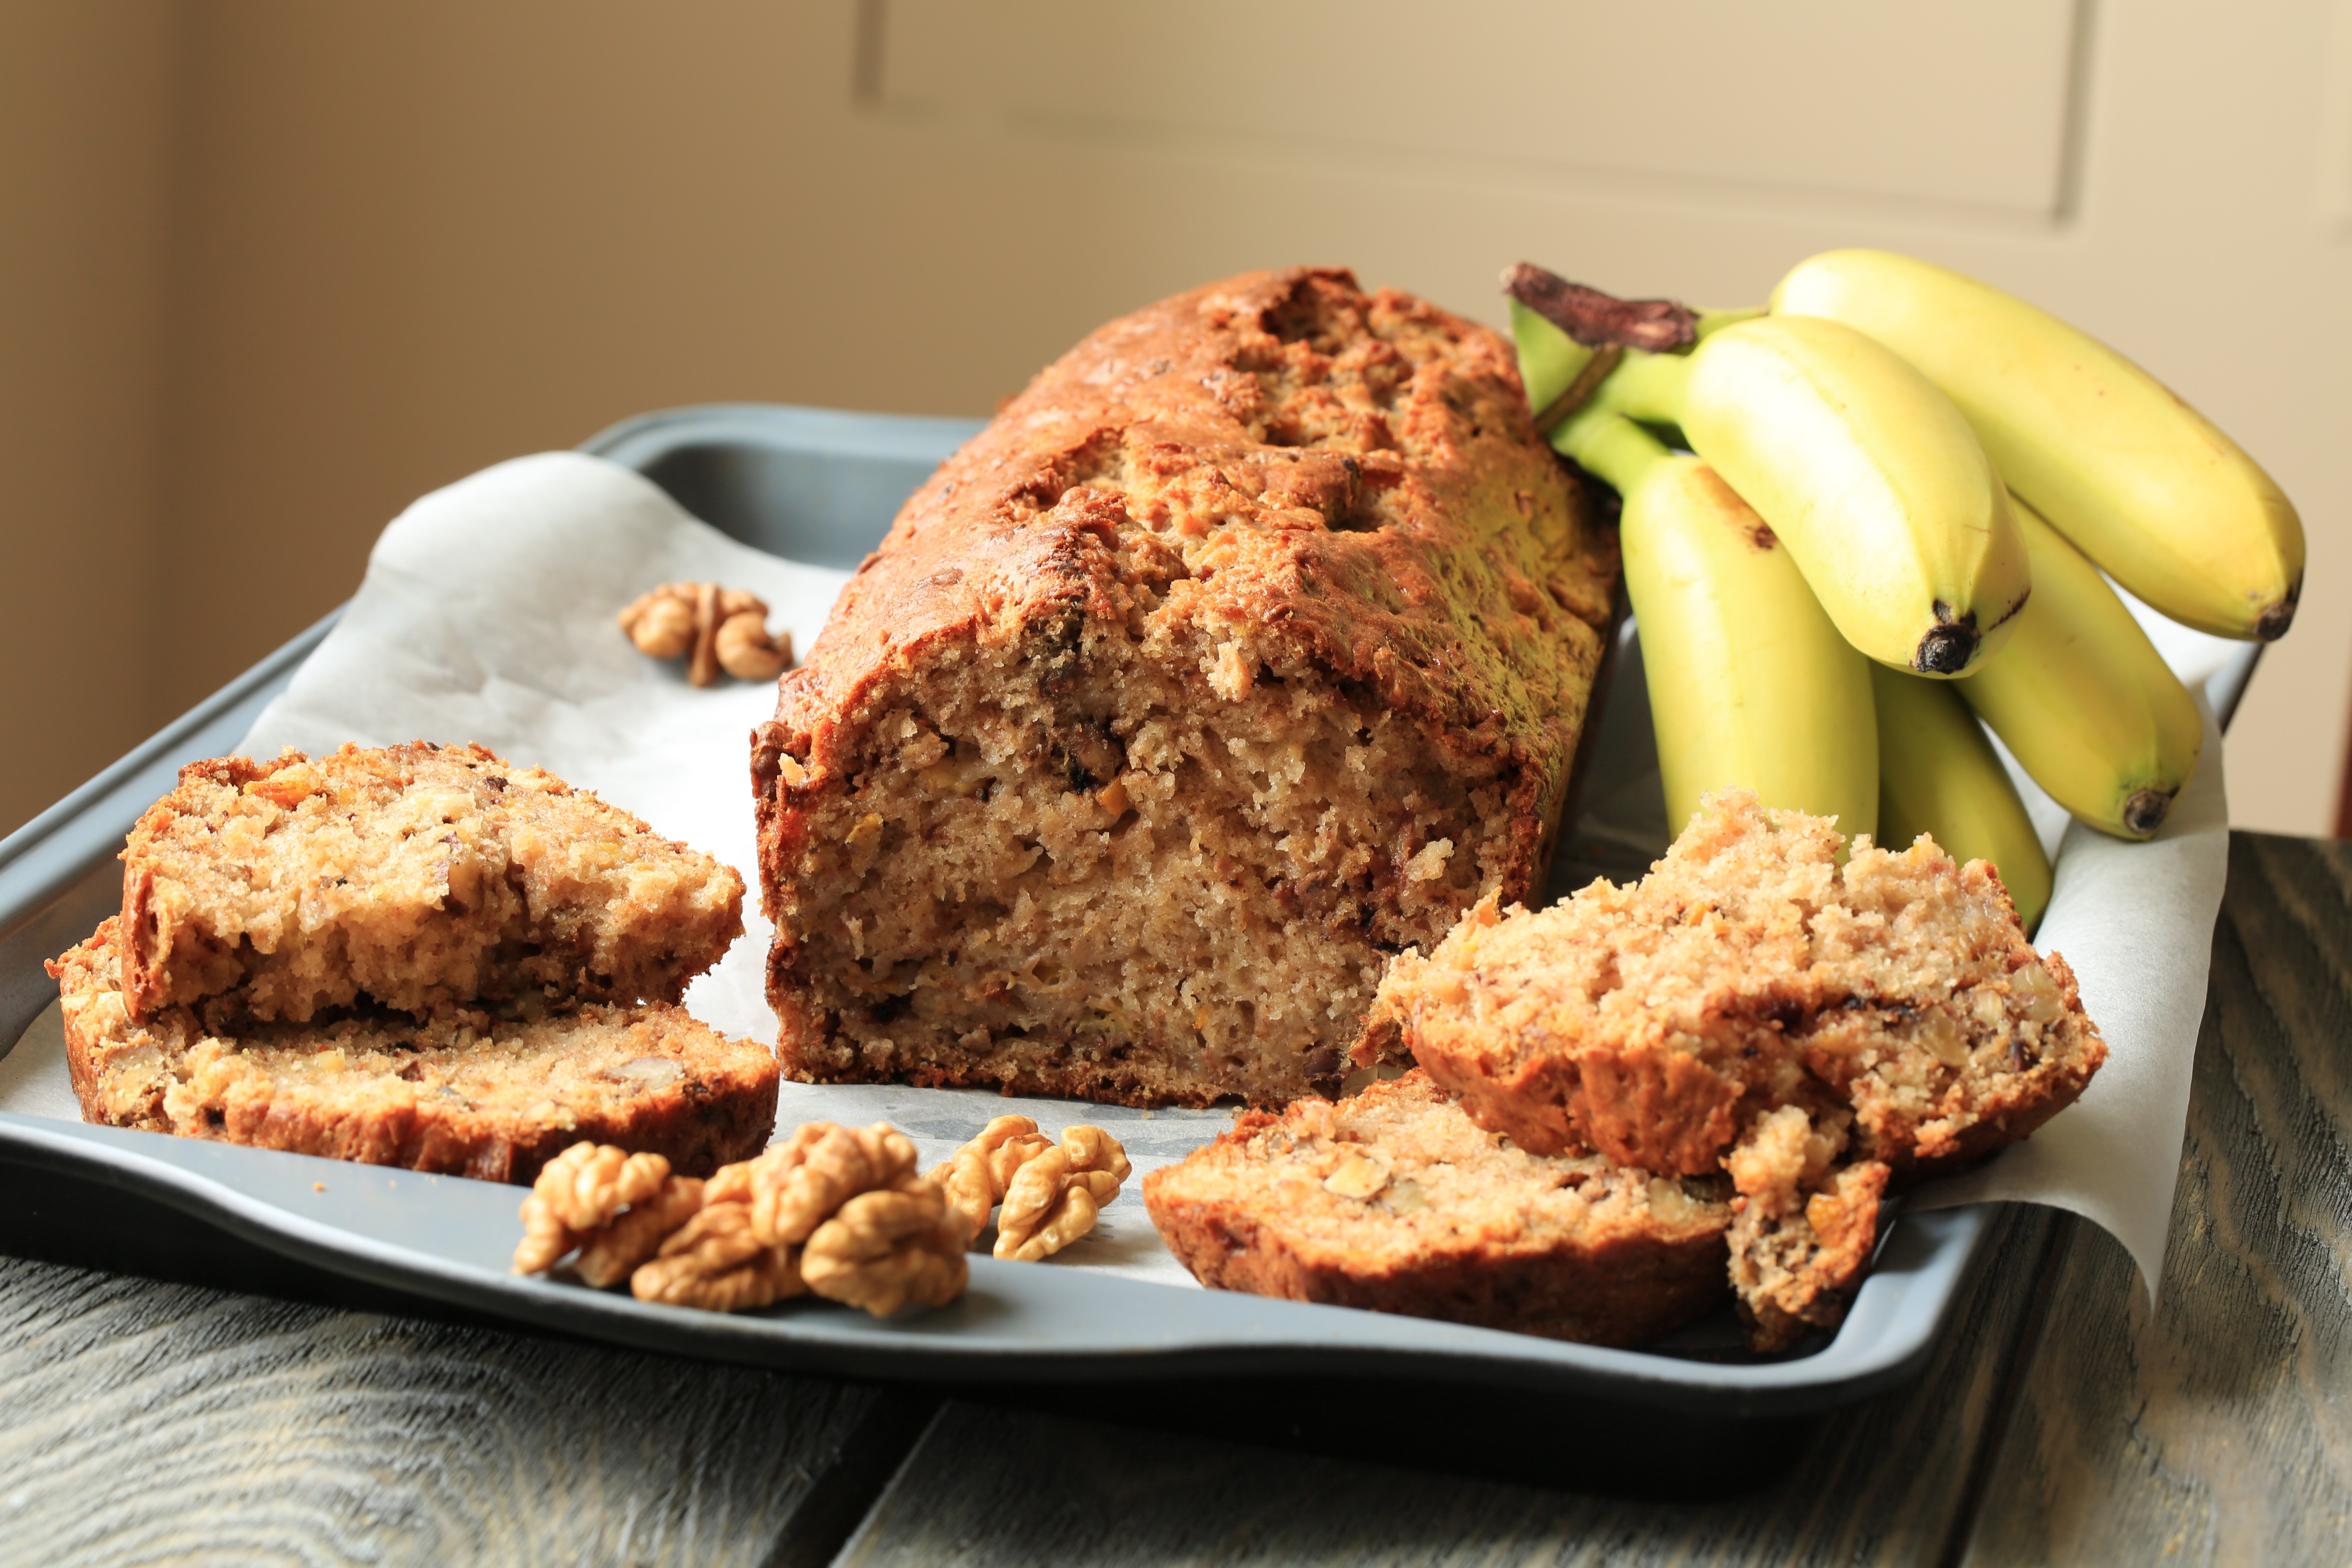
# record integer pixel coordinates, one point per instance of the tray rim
(48, 858)
(1310, 1339)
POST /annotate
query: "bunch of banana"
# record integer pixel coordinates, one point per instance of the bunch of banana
(1902, 433)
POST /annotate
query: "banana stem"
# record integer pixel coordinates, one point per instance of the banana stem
(1713, 322)
(1646, 386)
(1609, 446)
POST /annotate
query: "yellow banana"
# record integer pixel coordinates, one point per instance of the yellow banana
(1750, 683)
(1867, 473)
(1938, 774)
(2138, 480)
(2082, 699)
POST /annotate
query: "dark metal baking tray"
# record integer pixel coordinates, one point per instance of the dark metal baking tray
(822, 485)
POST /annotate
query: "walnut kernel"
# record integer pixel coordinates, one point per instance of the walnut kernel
(885, 1251)
(718, 1263)
(719, 629)
(613, 1205)
(1050, 1195)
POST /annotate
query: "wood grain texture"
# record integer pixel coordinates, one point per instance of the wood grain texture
(1885, 1483)
(150, 1423)
(2218, 1430)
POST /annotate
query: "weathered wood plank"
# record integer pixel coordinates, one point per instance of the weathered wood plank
(2220, 1428)
(152, 1423)
(1883, 1483)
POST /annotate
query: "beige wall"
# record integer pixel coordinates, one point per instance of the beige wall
(412, 238)
(87, 95)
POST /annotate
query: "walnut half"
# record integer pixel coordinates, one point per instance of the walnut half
(614, 1206)
(1050, 1195)
(757, 1239)
(886, 1251)
(720, 629)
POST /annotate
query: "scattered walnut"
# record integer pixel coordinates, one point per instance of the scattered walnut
(719, 1264)
(610, 1256)
(797, 1184)
(976, 1175)
(660, 624)
(609, 1202)
(1050, 1196)
(736, 1242)
(720, 629)
(885, 1251)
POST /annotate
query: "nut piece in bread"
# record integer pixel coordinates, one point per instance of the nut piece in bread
(412, 876)
(1750, 971)
(463, 1090)
(1249, 646)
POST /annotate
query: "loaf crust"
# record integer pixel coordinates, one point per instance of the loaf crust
(1749, 972)
(460, 1091)
(413, 877)
(1393, 1201)
(1248, 646)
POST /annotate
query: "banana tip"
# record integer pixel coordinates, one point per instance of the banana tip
(2145, 812)
(2272, 622)
(1946, 649)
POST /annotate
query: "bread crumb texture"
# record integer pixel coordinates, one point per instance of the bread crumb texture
(412, 876)
(1750, 971)
(1394, 1201)
(462, 1090)
(1247, 646)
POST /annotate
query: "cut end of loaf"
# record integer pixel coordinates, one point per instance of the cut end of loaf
(1106, 878)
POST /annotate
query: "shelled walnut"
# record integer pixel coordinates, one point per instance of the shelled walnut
(719, 628)
(887, 1250)
(613, 1207)
(835, 1211)
(717, 1262)
(1051, 1194)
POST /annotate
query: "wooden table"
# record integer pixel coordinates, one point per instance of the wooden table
(2060, 1421)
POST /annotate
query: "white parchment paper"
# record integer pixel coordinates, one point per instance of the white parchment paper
(486, 614)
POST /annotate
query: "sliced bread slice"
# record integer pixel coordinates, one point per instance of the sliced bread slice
(412, 876)
(1395, 1201)
(463, 1089)
(1749, 971)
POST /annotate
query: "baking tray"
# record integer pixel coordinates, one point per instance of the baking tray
(821, 486)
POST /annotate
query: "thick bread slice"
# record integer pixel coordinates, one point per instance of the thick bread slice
(1248, 646)
(464, 1092)
(411, 876)
(1395, 1201)
(1656, 1023)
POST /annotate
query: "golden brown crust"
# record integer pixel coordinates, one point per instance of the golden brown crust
(460, 1092)
(1392, 1201)
(411, 876)
(1275, 482)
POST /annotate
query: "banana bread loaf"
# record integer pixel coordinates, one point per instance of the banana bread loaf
(1247, 646)
(462, 1090)
(1747, 973)
(411, 877)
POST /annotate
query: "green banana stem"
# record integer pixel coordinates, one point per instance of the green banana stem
(1713, 322)
(1646, 386)
(1609, 446)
